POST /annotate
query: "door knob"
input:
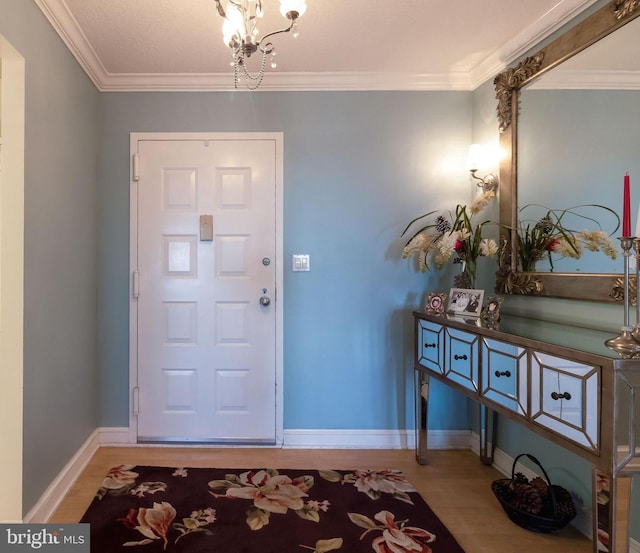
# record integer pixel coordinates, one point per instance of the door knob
(265, 300)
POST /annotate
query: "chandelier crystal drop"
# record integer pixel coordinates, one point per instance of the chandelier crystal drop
(240, 34)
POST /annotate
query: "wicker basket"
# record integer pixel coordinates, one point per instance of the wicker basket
(557, 508)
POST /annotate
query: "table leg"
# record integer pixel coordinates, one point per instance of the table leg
(488, 433)
(422, 411)
(611, 509)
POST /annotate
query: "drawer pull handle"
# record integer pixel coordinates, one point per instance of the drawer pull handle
(503, 373)
(556, 396)
(458, 357)
(429, 345)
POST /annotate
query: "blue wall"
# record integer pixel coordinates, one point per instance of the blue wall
(357, 167)
(61, 162)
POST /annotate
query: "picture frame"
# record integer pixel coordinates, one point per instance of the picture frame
(491, 312)
(435, 303)
(465, 302)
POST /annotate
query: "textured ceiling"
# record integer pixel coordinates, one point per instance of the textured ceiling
(343, 44)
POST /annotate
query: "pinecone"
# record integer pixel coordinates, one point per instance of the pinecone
(442, 224)
(564, 504)
(534, 498)
(520, 478)
(502, 489)
(540, 485)
(527, 498)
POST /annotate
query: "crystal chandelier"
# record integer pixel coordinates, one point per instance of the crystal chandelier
(240, 33)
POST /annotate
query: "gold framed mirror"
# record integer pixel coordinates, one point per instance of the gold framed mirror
(603, 287)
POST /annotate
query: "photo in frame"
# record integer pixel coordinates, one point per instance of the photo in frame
(465, 302)
(491, 312)
(435, 303)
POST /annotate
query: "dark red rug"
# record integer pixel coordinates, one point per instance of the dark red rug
(155, 509)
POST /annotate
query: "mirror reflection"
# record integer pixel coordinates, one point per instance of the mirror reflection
(578, 134)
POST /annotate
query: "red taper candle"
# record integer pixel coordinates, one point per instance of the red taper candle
(626, 208)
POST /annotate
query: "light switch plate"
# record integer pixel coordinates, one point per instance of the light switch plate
(300, 262)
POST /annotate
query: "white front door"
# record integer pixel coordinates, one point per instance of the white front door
(204, 286)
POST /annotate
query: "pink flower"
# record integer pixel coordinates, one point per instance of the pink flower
(383, 481)
(151, 523)
(275, 494)
(120, 477)
(403, 539)
(551, 244)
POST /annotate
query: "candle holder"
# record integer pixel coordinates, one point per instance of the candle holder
(625, 343)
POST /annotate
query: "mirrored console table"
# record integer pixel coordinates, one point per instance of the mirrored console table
(559, 381)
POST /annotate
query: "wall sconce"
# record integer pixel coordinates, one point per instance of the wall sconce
(490, 182)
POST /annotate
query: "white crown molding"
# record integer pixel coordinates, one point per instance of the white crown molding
(563, 12)
(67, 27)
(221, 82)
(589, 80)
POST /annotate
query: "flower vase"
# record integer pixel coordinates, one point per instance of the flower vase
(528, 262)
(467, 277)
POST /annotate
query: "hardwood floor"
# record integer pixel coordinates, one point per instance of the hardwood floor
(455, 484)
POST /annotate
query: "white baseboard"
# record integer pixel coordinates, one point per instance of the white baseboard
(372, 439)
(51, 498)
(296, 439)
(53, 495)
(311, 439)
(346, 439)
(115, 436)
(332, 439)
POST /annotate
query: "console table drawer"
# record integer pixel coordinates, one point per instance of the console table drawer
(461, 364)
(565, 397)
(504, 374)
(430, 345)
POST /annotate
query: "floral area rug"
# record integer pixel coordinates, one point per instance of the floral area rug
(157, 509)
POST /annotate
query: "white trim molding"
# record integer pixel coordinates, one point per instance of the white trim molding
(372, 439)
(53, 495)
(310, 439)
(64, 23)
(294, 439)
(278, 139)
(112, 436)
(12, 115)
(560, 14)
(588, 80)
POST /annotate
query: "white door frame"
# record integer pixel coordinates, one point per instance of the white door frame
(278, 137)
(12, 112)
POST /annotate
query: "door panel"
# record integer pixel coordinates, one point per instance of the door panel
(206, 346)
